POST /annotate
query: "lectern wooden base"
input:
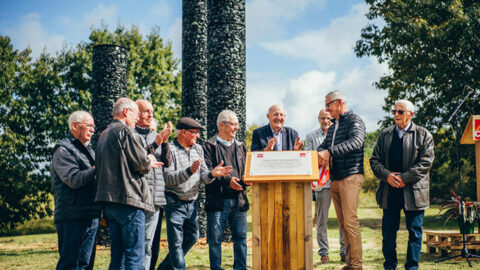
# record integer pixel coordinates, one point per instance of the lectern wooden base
(282, 225)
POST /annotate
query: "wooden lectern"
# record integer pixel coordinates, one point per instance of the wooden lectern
(282, 217)
(471, 135)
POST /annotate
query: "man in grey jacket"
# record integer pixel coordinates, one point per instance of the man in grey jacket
(182, 180)
(122, 162)
(402, 159)
(156, 183)
(73, 179)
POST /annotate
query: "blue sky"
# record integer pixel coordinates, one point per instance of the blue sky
(297, 50)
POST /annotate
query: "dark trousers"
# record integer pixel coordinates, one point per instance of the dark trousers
(390, 226)
(76, 243)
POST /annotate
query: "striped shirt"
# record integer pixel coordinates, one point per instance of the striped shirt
(178, 178)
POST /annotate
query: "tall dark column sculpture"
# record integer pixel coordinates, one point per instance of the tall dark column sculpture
(226, 62)
(109, 76)
(194, 61)
(194, 78)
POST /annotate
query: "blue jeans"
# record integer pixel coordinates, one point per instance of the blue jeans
(390, 226)
(182, 231)
(216, 222)
(76, 243)
(127, 230)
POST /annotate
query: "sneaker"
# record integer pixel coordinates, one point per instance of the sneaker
(325, 259)
(342, 258)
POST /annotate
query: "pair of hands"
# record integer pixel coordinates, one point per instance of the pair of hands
(219, 171)
(163, 135)
(271, 143)
(395, 180)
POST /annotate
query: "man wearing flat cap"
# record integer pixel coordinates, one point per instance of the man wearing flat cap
(182, 181)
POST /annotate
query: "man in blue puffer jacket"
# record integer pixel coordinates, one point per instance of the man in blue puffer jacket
(342, 150)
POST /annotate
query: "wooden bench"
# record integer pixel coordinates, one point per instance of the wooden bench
(449, 243)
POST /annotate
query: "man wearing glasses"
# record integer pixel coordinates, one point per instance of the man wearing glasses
(322, 194)
(182, 181)
(226, 196)
(342, 150)
(122, 162)
(73, 179)
(402, 159)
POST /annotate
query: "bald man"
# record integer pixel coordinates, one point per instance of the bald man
(275, 136)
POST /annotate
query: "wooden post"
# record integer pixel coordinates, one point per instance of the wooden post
(477, 167)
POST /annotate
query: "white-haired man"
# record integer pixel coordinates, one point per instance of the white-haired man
(227, 195)
(402, 159)
(73, 179)
(322, 194)
(342, 150)
(122, 162)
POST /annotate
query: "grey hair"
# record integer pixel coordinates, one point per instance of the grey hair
(224, 116)
(407, 103)
(121, 104)
(77, 116)
(336, 95)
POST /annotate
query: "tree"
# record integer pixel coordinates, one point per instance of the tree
(37, 96)
(431, 48)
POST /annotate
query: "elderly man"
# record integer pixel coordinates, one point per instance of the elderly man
(227, 196)
(73, 178)
(274, 136)
(156, 183)
(122, 162)
(342, 149)
(402, 159)
(182, 180)
(323, 197)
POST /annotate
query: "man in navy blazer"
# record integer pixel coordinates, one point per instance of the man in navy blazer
(274, 136)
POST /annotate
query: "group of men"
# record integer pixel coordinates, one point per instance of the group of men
(135, 176)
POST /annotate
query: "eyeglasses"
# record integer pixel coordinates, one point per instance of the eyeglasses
(326, 118)
(193, 132)
(87, 126)
(234, 124)
(134, 112)
(328, 104)
(398, 111)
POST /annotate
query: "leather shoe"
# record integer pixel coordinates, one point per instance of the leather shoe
(342, 258)
(325, 259)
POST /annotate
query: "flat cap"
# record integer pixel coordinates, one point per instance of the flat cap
(188, 123)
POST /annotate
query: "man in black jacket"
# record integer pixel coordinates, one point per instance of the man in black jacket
(73, 178)
(402, 159)
(227, 196)
(274, 136)
(342, 150)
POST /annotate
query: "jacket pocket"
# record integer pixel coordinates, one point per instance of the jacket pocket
(421, 193)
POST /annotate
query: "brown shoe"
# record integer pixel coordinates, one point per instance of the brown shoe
(325, 259)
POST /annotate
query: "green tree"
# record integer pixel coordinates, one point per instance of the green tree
(37, 95)
(431, 48)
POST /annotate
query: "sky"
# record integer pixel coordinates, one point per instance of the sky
(297, 50)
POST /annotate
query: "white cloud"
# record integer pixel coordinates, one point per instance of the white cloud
(175, 35)
(31, 33)
(100, 14)
(161, 9)
(264, 18)
(327, 46)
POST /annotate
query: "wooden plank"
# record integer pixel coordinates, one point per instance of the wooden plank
(286, 256)
(293, 202)
(271, 226)
(256, 229)
(264, 225)
(278, 226)
(300, 227)
(307, 200)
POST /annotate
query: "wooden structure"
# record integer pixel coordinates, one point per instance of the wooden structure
(471, 135)
(282, 219)
(445, 243)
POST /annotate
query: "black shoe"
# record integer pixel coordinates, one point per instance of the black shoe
(342, 258)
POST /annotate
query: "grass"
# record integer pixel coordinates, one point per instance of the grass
(39, 251)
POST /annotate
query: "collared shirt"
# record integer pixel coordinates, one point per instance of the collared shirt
(402, 132)
(224, 142)
(279, 137)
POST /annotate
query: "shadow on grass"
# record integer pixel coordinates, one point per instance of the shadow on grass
(29, 252)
